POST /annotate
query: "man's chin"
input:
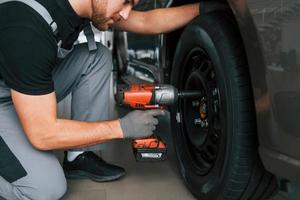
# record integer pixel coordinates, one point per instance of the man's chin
(103, 27)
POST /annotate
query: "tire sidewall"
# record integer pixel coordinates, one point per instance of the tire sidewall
(203, 33)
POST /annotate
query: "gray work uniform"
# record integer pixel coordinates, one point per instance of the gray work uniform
(27, 173)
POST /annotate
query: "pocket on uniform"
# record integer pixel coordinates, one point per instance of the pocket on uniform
(10, 167)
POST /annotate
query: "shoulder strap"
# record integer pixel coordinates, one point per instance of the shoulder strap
(90, 37)
(40, 9)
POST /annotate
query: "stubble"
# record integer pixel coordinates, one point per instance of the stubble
(98, 16)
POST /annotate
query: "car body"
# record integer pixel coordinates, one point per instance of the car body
(272, 46)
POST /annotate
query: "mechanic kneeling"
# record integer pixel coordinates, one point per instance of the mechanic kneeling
(39, 67)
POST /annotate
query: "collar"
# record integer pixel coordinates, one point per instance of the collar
(68, 22)
(69, 15)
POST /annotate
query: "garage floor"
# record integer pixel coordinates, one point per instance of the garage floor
(147, 181)
(142, 181)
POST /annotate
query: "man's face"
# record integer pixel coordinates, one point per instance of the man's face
(106, 12)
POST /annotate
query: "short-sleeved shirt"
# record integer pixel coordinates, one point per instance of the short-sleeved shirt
(28, 47)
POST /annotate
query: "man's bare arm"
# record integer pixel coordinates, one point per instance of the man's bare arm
(159, 20)
(45, 131)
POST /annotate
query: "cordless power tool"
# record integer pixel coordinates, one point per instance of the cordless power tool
(151, 96)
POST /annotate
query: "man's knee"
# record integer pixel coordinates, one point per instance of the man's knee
(104, 57)
(46, 189)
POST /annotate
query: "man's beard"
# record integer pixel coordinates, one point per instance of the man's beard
(98, 16)
(99, 22)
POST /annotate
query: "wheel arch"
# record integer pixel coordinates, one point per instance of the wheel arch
(249, 35)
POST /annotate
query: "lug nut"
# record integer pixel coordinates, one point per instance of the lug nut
(215, 137)
(215, 91)
(204, 124)
(198, 121)
(195, 103)
(201, 123)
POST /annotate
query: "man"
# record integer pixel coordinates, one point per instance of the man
(33, 80)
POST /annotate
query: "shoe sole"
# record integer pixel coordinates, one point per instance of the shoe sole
(77, 174)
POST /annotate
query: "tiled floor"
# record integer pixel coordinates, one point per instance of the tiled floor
(147, 181)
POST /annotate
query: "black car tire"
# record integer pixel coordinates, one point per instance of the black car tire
(215, 136)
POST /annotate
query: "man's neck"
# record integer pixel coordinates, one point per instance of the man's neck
(83, 8)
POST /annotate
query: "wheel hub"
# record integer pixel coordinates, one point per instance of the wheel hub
(202, 116)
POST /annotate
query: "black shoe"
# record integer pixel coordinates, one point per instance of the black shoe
(89, 165)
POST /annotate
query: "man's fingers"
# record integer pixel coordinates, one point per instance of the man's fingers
(156, 112)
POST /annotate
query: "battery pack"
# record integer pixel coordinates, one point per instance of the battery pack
(149, 149)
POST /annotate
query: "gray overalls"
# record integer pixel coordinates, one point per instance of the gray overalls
(25, 172)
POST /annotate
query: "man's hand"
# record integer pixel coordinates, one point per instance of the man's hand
(140, 124)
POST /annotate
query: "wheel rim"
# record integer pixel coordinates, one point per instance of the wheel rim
(202, 119)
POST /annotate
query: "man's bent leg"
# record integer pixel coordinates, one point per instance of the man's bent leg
(25, 172)
(87, 75)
